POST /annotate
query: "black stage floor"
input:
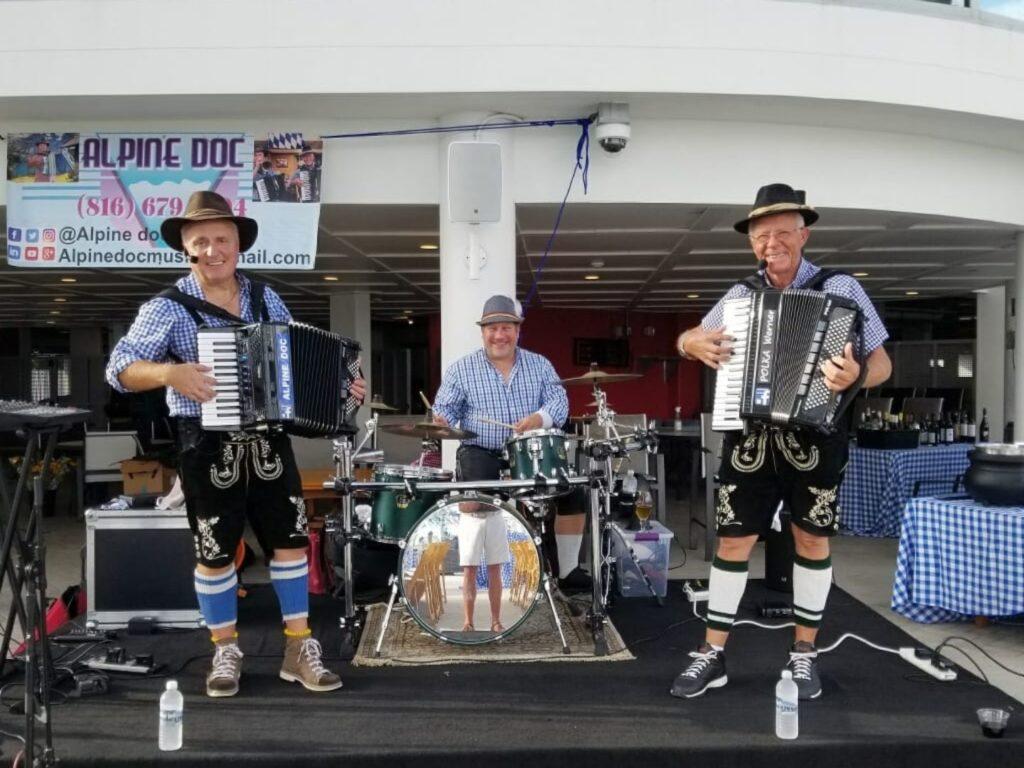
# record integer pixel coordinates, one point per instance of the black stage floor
(876, 709)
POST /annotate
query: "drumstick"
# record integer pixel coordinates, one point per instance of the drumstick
(485, 420)
(425, 401)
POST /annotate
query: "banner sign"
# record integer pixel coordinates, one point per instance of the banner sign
(97, 200)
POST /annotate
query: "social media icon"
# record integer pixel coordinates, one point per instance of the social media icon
(14, 233)
(31, 235)
(49, 253)
(49, 235)
(31, 253)
(13, 252)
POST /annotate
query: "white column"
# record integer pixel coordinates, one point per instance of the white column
(350, 316)
(463, 296)
(1018, 354)
(990, 361)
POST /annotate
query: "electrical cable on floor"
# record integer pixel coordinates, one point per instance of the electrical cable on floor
(986, 654)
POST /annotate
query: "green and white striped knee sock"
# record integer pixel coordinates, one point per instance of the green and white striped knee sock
(725, 590)
(812, 580)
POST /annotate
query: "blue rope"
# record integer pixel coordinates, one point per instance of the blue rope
(582, 164)
(584, 121)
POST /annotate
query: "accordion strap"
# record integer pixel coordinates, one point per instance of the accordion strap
(757, 282)
(194, 305)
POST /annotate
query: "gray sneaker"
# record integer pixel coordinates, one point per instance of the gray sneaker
(707, 670)
(303, 663)
(225, 670)
(803, 661)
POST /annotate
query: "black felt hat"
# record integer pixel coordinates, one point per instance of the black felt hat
(777, 198)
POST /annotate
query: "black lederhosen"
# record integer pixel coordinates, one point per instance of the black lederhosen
(228, 477)
(801, 468)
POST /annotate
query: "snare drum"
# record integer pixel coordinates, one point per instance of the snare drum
(394, 512)
(538, 452)
(492, 539)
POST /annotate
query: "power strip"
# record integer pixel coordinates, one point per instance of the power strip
(922, 658)
(696, 593)
(99, 662)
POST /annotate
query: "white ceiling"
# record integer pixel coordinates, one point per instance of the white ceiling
(655, 258)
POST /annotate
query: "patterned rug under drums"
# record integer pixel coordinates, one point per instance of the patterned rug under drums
(406, 644)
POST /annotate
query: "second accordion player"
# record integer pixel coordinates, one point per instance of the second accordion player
(290, 375)
(781, 339)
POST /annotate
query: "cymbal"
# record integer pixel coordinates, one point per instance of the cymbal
(426, 430)
(600, 377)
(376, 404)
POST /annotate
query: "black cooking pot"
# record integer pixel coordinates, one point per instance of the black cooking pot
(996, 474)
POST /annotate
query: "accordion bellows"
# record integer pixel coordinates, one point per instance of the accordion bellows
(290, 375)
(781, 338)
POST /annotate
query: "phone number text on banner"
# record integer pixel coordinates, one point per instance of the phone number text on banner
(96, 200)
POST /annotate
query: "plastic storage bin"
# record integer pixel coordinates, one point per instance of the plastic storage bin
(651, 549)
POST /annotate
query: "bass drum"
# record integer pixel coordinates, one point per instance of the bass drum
(471, 569)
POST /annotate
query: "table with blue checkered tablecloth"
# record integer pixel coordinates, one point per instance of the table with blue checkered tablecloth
(879, 483)
(959, 559)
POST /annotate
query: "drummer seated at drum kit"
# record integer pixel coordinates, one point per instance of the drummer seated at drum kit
(504, 384)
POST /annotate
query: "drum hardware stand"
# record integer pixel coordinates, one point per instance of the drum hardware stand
(350, 623)
(28, 598)
(538, 511)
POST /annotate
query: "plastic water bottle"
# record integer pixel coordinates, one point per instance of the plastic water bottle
(786, 699)
(172, 705)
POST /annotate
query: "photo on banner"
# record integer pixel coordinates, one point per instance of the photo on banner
(96, 200)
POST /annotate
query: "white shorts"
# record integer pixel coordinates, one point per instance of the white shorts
(482, 533)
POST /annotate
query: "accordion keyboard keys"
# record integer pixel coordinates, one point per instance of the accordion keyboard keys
(729, 381)
(218, 350)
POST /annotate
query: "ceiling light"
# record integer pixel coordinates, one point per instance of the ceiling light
(591, 277)
(69, 280)
(60, 299)
(54, 311)
(861, 274)
(911, 293)
(428, 247)
(597, 263)
(51, 322)
(331, 278)
(410, 321)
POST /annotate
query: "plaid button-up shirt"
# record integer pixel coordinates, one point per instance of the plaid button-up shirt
(164, 331)
(473, 387)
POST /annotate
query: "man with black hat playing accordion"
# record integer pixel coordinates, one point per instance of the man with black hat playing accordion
(770, 464)
(226, 476)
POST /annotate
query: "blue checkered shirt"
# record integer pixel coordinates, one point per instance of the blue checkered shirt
(841, 285)
(473, 387)
(164, 330)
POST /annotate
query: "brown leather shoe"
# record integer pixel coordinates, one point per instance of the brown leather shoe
(225, 670)
(303, 664)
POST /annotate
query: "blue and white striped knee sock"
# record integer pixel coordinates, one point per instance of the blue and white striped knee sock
(218, 601)
(291, 582)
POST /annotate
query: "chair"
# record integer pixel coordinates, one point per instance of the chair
(923, 406)
(898, 395)
(862, 404)
(952, 397)
(104, 451)
(711, 451)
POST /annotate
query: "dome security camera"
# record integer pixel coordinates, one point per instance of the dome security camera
(612, 129)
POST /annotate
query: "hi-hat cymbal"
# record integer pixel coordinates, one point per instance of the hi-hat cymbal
(376, 404)
(600, 377)
(426, 430)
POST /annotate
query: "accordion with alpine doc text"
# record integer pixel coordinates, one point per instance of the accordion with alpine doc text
(290, 375)
(781, 339)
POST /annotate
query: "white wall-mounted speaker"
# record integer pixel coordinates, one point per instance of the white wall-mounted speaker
(474, 181)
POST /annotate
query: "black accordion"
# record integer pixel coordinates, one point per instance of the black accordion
(289, 375)
(774, 376)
